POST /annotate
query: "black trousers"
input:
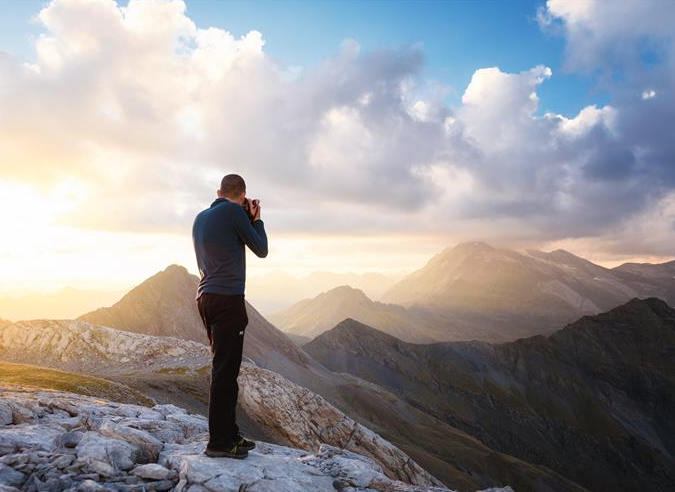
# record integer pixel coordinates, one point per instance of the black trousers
(225, 320)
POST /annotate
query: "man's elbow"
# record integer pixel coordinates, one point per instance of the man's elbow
(262, 252)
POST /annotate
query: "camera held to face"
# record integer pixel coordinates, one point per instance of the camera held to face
(249, 205)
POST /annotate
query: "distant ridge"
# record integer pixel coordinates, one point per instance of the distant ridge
(310, 317)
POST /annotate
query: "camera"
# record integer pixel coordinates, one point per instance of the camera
(247, 206)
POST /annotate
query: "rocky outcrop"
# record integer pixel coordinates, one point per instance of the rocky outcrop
(57, 441)
(80, 346)
(306, 420)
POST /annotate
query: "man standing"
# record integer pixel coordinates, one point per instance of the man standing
(219, 235)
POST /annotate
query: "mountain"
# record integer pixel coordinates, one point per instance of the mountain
(504, 294)
(650, 279)
(310, 317)
(277, 290)
(61, 441)
(65, 303)
(449, 454)
(158, 306)
(278, 408)
(165, 305)
(594, 401)
(474, 291)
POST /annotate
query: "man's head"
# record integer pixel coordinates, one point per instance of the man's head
(232, 187)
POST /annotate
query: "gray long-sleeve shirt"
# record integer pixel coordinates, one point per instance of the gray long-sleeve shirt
(219, 236)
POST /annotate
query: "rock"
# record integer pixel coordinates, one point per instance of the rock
(308, 420)
(79, 346)
(6, 417)
(36, 436)
(162, 430)
(90, 486)
(149, 445)
(69, 439)
(118, 453)
(63, 461)
(160, 485)
(153, 471)
(20, 414)
(102, 468)
(115, 439)
(9, 476)
(191, 424)
(168, 409)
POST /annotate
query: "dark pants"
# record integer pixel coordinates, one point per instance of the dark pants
(225, 320)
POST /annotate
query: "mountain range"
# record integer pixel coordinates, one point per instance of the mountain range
(471, 413)
(474, 291)
(594, 401)
(451, 455)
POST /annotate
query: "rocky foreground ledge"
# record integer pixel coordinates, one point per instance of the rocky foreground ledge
(53, 441)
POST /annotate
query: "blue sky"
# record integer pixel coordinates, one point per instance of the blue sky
(458, 37)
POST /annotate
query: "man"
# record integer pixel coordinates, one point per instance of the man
(219, 236)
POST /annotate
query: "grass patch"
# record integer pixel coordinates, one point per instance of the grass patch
(46, 378)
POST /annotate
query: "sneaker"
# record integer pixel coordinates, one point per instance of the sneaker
(235, 451)
(244, 443)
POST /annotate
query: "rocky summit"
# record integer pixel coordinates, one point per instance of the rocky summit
(54, 441)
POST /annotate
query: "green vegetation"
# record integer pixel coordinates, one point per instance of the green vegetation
(42, 377)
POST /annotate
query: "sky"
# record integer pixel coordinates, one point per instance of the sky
(374, 133)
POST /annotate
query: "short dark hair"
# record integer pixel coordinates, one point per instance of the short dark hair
(232, 185)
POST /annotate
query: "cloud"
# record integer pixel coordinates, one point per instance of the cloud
(145, 111)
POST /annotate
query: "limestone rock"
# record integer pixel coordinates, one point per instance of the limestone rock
(123, 448)
(307, 420)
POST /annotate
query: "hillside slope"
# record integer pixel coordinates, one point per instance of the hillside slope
(594, 401)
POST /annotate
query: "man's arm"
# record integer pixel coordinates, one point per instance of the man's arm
(252, 234)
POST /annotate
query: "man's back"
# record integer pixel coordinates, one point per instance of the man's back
(219, 236)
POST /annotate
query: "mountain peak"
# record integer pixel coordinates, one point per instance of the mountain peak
(351, 333)
(344, 292)
(473, 246)
(175, 269)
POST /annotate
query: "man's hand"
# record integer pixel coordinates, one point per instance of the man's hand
(254, 205)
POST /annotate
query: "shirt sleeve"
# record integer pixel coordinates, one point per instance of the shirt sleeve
(252, 234)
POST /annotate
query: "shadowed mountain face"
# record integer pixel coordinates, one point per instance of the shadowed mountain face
(595, 401)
